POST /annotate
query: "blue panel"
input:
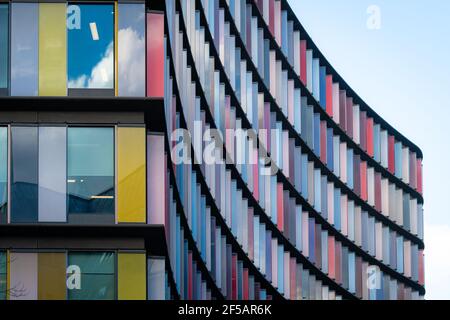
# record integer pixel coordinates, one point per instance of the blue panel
(330, 162)
(4, 45)
(337, 209)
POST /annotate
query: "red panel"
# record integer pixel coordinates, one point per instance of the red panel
(421, 268)
(272, 16)
(303, 75)
(329, 95)
(331, 258)
(280, 205)
(245, 281)
(378, 191)
(370, 136)
(391, 154)
(419, 176)
(364, 180)
(155, 55)
(323, 141)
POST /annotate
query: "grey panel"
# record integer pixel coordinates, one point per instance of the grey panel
(52, 174)
(24, 49)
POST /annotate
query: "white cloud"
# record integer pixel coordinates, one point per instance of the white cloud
(437, 262)
(132, 63)
(102, 75)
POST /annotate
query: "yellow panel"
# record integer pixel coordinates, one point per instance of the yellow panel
(131, 189)
(52, 276)
(132, 276)
(52, 49)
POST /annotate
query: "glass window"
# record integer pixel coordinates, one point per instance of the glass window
(52, 49)
(23, 276)
(3, 282)
(156, 278)
(52, 174)
(24, 49)
(24, 174)
(3, 173)
(4, 49)
(90, 29)
(131, 51)
(98, 280)
(90, 175)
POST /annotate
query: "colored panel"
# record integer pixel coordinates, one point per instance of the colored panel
(24, 174)
(90, 172)
(155, 55)
(24, 276)
(3, 173)
(329, 95)
(131, 46)
(90, 33)
(52, 276)
(131, 189)
(52, 174)
(155, 172)
(370, 136)
(52, 49)
(131, 276)
(24, 49)
(97, 278)
(4, 48)
(303, 76)
(391, 154)
(156, 279)
(3, 275)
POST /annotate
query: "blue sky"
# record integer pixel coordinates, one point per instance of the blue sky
(89, 44)
(402, 70)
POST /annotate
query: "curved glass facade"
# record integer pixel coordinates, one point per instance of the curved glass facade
(218, 123)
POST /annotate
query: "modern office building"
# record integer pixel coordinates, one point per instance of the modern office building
(194, 149)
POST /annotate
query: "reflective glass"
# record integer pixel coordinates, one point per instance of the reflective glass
(24, 49)
(24, 174)
(98, 280)
(90, 30)
(3, 173)
(156, 279)
(131, 54)
(4, 48)
(90, 175)
(52, 174)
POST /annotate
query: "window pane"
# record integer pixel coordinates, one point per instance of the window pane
(97, 276)
(24, 278)
(131, 175)
(131, 55)
(4, 49)
(91, 46)
(24, 174)
(131, 276)
(52, 174)
(3, 173)
(156, 279)
(52, 276)
(24, 49)
(52, 49)
(90, 178)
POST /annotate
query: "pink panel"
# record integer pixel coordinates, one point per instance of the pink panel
(156, 172)
(419, 176)
(155, 55)
(303, 75)
(331, 258)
